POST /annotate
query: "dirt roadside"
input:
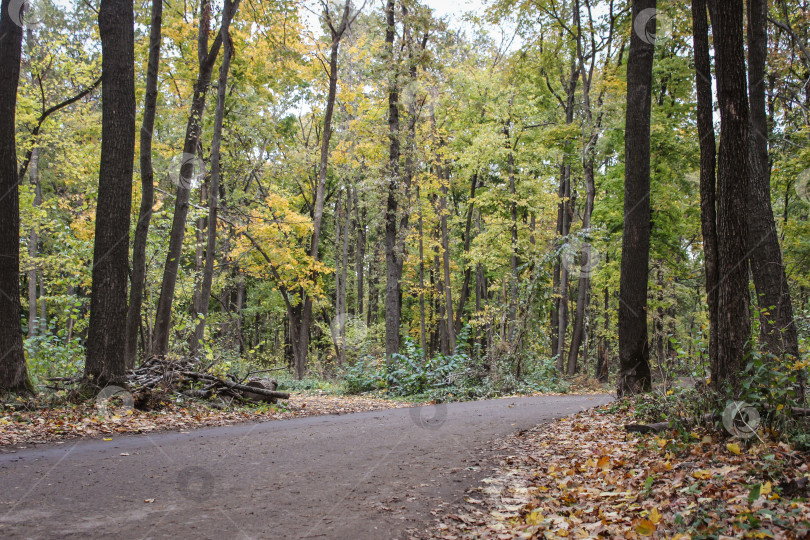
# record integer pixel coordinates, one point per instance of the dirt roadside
(368, 475)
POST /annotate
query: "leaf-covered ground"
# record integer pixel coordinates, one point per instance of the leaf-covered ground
(585, 477)
(96, 420)
(31, 422)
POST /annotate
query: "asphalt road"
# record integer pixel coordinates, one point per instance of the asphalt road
(372, 475)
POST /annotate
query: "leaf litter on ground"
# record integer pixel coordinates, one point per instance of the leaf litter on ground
(584, 476)
(41, 425)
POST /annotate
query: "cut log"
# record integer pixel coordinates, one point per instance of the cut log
(270, 385)
(236, 386)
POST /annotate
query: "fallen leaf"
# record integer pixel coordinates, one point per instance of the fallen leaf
(645, 527)
(734, 448)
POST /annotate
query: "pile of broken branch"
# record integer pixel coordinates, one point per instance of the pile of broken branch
(159, 376)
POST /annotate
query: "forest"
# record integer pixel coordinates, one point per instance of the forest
(476, 204)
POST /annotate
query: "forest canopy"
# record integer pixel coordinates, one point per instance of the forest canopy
(374, 192)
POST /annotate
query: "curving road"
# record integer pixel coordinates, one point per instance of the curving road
(371, 475)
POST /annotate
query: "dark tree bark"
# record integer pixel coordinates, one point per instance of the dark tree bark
(106, 338)
(708, 158)
(777, 331)
(392, 307)
(13, 371)
(422, 322)
(634, 352)
(578, 333)
(147, 187)
(448, 284)
(228, 11)
(734, 325)
(465, 284)
(206, 59)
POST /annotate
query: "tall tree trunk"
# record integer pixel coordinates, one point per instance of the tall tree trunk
(422, 323)
(301, 345)
(33, 246)
(708, 158)
(448, 285)
(634, 351)
(734, 325)
(147, 188)
(564, 216)
(13, 371)
(373, 284)
(344, 257)
(392, 307)
(465, 284)
(206, 61)
(106, 338)
(777, 331)
(228, 11)
(578, 333)
(360, 252)
(513, 255)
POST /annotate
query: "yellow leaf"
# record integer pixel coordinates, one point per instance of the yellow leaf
(734, 448)
(535, 518)
(765, 489)
(603, 463)
(702, 474)
(706, 440)
(780, 407)
(645, 527)
(655, 516)
(107, 438)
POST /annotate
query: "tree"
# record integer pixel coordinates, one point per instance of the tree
(105, 362)
(13, 371)
(734, 325)
(708, 159)
(147, 186)
(634, 352)
(392, 299)
(777, 330)
(206, 59)
(204, 295)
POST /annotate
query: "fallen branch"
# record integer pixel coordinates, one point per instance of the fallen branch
(237, 386)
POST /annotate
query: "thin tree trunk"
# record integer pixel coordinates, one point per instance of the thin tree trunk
(422, 324)
(705, 127)
(513, 255)
(33, 246)
(634, 351)
(448, 289)
(106, 338)
(465, 284)
(13, 371)
(206, 59)
(360, 252)
(147, 188)
(578, 333)
(228, 12)
(344, 277)
(734, 325)
(301, 346)
(392, 307)
(564, 214)
(777, 331)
